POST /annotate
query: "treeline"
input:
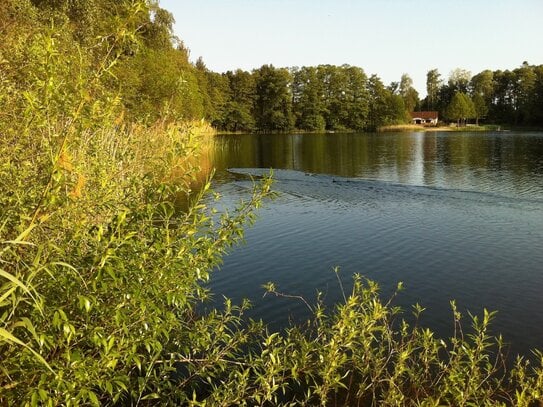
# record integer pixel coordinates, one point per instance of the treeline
(154, 77)
(504, 97)
(328, 97)
(325, 97)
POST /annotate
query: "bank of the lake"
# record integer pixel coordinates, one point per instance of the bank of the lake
(396, 128)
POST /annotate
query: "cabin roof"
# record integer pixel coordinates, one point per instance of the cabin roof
(424, 115)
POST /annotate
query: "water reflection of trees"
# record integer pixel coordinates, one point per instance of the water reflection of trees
(442, 159)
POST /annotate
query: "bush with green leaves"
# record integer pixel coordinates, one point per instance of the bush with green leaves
(100, 269)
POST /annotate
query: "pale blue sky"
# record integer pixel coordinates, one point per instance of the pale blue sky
(385, 37)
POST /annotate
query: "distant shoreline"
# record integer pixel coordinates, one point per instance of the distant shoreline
(398, 128)
(418, 127)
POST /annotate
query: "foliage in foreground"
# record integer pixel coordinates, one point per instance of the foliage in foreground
(102, 276)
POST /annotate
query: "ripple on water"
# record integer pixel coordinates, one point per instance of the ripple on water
(482, 249)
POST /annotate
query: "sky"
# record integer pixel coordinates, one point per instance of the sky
(384, 37)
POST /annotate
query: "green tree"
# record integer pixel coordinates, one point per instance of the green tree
(273, 99)
(377, 102)
(335, 83)
(459, 80)
(85, 17)
(385, 108)
(307, 97)
(332, 97)
(157, 31)
(156, 81)
(218, 91)
(408, 93)
(524, 91)
(433, 83)
(396, 111)
(537, 97)
(356, 95)
(344, 96)
(483, 84)
(503, 108)
(480, 107)
(203, 75)
(239, 106)
(460, 108)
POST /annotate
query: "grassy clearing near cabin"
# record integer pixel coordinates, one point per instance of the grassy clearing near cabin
(102, 277)
(401, 127)
(451, 127)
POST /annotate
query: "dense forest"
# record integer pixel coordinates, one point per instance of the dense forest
(109, 236)
(154, 76)
(328, 97)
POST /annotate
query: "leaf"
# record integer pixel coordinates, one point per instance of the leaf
(15, 281)
(22, 236)
(6, 295)
(84, 303)
(151, 396)
(93, 399)
(8, 337)
(70, 267)
(27, 324)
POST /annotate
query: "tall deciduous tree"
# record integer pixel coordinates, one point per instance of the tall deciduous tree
(408, 93)
(377, 102)
(385, 108)
(480, 107)
(460, 108)
(503, 106)
(357, 105)
(483, 84)
(239, 109)
(307, 96)
(459, 80)
(537, 97)
(335, 83)
(273, 104)
(433, 83)
(524, 91)
(218, 93)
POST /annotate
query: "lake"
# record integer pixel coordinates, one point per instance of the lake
(453, 215)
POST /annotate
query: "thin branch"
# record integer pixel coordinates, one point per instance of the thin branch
(201, 360)
(297, 297)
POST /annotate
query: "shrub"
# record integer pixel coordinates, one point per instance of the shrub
(101, 269)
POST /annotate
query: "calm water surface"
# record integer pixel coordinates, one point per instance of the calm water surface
(451, 215)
